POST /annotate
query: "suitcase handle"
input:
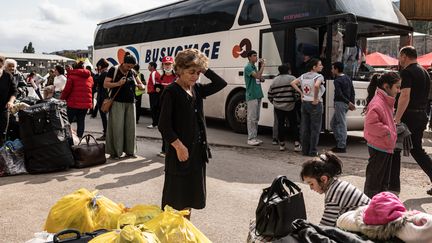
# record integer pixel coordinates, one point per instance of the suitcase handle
(64, 232)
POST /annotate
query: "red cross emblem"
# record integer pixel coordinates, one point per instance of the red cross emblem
(306, 89)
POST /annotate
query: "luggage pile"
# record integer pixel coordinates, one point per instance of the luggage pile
(47, 136)
(93, 218)
(45, 142)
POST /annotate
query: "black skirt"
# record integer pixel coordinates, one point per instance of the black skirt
(185, 191)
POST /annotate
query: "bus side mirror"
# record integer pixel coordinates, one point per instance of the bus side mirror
(351, 34)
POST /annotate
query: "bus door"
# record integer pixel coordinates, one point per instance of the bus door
(272, 48)
(285, 45)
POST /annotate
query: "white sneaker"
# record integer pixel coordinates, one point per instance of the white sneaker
(161, 154)
(282, 147)
(253, 142)
(151, 126)
(259, 140)
(297, 147)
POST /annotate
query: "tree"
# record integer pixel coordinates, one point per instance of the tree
(29, 48)
(422, 26)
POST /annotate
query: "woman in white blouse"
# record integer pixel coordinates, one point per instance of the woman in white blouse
(59, 80)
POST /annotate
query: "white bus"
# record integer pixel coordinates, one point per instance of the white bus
(226, 29)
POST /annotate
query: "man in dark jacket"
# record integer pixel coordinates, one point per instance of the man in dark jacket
(344, 96)
(8, 92)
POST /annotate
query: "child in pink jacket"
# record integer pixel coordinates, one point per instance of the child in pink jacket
(380, 130)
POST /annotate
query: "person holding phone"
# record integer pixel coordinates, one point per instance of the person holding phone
(121, 134)
(254, 94)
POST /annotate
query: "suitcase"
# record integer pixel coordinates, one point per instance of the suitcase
(46, 134)
(77, 237)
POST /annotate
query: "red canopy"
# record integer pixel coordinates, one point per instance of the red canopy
(425, 60)
(379, 59)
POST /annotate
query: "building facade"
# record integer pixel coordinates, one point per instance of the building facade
(39, 63)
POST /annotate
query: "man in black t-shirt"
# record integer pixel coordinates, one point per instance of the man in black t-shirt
(411, 108)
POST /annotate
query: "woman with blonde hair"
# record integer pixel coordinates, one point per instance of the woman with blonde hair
(183, 128)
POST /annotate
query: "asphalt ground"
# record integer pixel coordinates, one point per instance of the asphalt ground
(235, 179)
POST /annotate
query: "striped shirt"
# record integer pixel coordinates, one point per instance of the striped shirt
(340, 198)
(281, 94)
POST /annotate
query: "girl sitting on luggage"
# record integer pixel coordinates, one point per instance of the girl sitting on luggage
(340, 196)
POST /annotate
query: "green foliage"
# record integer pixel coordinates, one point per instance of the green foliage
(29, 48)
(422, 26)
(70, 55)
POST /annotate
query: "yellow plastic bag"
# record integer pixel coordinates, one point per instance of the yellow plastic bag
(84, 211)
(129, 234)
(171, 227)
(139, 214)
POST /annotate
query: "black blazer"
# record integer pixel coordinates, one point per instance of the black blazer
(177, 120)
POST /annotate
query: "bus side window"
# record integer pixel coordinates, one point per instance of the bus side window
(251, 13)
(217, 16)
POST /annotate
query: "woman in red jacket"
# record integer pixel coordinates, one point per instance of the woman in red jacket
(78, 95)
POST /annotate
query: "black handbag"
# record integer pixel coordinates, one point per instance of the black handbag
(278, 208)
(88, 154)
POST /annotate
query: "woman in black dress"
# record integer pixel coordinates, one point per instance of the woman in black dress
(182, 125)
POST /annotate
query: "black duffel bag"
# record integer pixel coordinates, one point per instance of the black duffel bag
(46, 134)
(277, 208)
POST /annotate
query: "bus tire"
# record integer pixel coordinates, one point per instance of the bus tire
(236, 112)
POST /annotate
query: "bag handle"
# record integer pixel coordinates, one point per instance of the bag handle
(277, 187)
(64, 232)
(87, 138)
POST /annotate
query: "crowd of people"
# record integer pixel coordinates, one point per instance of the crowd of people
(298, 99)
(176, 100)
(395, 119)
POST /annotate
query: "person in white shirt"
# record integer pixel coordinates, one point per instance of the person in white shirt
(312, 90)
(59, 80)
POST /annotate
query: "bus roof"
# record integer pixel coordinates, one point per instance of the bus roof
(122, 16)
(195, 17)
(384, 10)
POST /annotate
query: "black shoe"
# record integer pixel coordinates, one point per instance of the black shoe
(101, 138)
(114, 157)
(338, 150)
(131, 156)
(429, 192)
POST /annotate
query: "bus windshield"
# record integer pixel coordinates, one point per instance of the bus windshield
(383, 10)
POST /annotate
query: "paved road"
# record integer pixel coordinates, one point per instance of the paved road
(236, 176)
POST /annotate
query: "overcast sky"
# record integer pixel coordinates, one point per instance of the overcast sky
(54, 25)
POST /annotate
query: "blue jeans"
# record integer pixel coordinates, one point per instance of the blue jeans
(253, 114)
(338, 123)
(311, 119)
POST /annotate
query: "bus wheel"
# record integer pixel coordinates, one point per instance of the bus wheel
(236, 113)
